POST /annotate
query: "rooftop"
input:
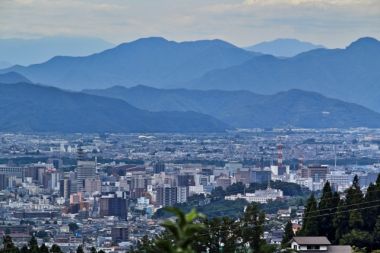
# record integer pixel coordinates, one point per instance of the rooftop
(311, 240)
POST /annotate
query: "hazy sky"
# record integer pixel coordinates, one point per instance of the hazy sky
(333, 23)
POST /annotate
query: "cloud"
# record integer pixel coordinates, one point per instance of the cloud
(240, 21)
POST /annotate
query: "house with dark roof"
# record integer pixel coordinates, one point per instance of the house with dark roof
(317, 244)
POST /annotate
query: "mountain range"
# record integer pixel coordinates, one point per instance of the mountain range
(28, 107)
(351, 74)
(244, 109)
(13, 77)
(31, 51)
(283, 47)
(219, 86)
(150, 61)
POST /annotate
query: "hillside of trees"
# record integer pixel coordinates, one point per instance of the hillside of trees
(214, 205)
(352, 218)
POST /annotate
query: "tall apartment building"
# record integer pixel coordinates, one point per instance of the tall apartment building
(318, 172)
(3, 182)
(114, 204)
(92, 185)
(138, 185)
(260, 176)
(185, 180)
(119, 234)
(158, 167)
(12, 171)
(65, 188)
(182, 194)
(166, 195)
(85, 170)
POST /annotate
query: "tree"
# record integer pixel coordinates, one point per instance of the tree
(218, 234)
(8, 246)
(354, 198)
(358, 238)
(93, 250)
(288, 235)
(359, 250)
(80, 249)
(55, 249)
(327, 205)
(218, 193)
(144, 245)
(252, 227)
(44, 249)
(192, 233)
(310, 221)
(33, 245)
(347, 217)
(235, 188)
(371, 199)
(377, 192)
(182, 231)
(355, 219)
(376, 234)
(24, 249)
(340, 221)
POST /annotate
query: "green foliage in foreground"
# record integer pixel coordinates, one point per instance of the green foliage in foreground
(193, 232)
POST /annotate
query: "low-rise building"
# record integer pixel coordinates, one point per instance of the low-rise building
(312, 244)
(260, 196)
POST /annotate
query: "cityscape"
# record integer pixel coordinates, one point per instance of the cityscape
(107, 190)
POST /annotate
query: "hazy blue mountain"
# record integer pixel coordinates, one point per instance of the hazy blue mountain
(35, 108)
(245, 109)
(31, 51)
(13, 77)
(283, 47)
(351, 74)
(151, 61)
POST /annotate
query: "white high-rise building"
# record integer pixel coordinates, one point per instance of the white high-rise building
(85, 170)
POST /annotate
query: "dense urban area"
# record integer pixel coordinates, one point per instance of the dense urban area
(109, 191)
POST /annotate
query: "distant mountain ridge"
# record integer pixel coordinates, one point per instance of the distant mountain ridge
(31, 51)
(283, 47)
(13, 77)
(5, 64)
(244, 109)
(150, 61)
(27, 107)
(351, 74)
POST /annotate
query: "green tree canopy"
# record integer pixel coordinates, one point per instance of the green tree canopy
(288, 235)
